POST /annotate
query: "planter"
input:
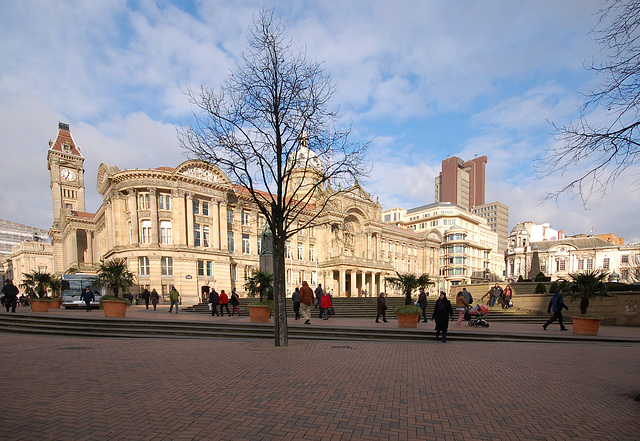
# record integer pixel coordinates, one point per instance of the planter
(408, 321)
(55, 304)
(586, 325)
(39, 305)
(258, 314)
(114, 308)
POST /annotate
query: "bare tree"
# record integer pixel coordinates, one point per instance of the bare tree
(269, 128)
(605, 140)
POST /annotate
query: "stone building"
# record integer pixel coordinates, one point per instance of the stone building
(192, 228)
(534, 248)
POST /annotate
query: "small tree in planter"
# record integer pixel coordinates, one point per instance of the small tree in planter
(408, 316)
(584, 287)
(37, 283)
(260, 283)
(541, 288)
(115, 276)
(408, 283)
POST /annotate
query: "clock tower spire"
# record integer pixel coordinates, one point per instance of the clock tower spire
(65, 164)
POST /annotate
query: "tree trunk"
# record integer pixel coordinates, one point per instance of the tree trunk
(584, 304)
(279, 292)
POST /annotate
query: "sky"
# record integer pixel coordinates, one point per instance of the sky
(420, 79)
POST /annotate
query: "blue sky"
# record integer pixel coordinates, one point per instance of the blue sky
(422, 80)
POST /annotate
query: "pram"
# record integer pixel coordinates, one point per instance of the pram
(475, 314)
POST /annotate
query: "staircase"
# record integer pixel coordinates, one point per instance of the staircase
(366, 307)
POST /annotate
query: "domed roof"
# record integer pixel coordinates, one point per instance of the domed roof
(304, 157)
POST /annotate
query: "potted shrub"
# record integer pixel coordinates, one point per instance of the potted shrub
(408, 283)
(115, 276)
(36, 284)
(260, 283)
(541, 288)
(584, 287)
(408, 316)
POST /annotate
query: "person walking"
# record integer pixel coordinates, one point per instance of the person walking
(422, 303)
(494, 293)
(10, 295)
(461, 306)
(508, 295)
(467, 296)
(155, 298)
(235, 302)
(146, 296)
(295, 297)
(306, 302)
(556, 304)
(442, 312)
(319, 292)
(325, 304)
(174, 296)
(382, 308)
(224, 303)
(87, 296)
(214, 299)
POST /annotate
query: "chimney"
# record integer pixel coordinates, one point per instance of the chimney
(63, 126)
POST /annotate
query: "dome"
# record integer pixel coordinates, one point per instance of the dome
(304, 157)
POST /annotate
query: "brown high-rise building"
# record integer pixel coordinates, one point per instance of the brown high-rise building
(461, 182)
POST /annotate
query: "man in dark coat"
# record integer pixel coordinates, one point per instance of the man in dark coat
(382, 308)
(10, 296)
(214, 299)
(422, 303)
(319, 292)
(306, 302)
(556, 304)
(87, 296)
(146, 296)
(494, 294)
(442, 313)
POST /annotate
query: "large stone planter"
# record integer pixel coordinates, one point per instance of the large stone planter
(586, 325)
(114, 308)
(39, 305)
(55, 304)
(408, 321)
(258, 314)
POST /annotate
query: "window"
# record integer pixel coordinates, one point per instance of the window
(300, 251)
(229, 215)
(624, 274)
(314, 278)
(312, 232)
(164, 202)
(196, 235)
(312, 253)
(580, 264)
(300, 277)
(247, 273)
(143, 265)
(196, 206)
(287, 250)
(605, 263)
(589, 264)
(259, 246)
(201, 267)
(561, 265)
(234, 272)
(205, 236)
(166, 265)
(246, 245)
(166, 237)
(209, 268)
(245, 218)
(145, 231)
(624, 258)
(144, 201)
(205, 208)
(231, 242)
(260, 222)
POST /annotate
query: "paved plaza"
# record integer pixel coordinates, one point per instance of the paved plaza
(84, 388)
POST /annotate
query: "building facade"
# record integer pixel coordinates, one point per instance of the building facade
(461, 182)
(192, 228)
(468, 252)
(497, 217)
(534, 248)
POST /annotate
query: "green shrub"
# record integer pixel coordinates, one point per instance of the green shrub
(541, 288)
(112, 297)
(408, 310)
(540, 277)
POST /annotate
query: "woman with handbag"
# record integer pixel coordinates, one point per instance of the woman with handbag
(326, 304)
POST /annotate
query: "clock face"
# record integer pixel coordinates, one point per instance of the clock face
(68, 175)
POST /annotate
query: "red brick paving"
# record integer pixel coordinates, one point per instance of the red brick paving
(108, 389)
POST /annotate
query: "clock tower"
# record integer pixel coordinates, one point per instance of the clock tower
(65, 164)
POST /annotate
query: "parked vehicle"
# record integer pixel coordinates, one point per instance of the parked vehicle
(72, 287)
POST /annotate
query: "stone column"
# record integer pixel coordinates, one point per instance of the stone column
(135, 223)
(178, 217)
(353, 288)
(155, 230)
(342, 282)
(215, 225)
(189, 238)
(223, 226)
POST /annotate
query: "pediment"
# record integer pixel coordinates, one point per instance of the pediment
(357, 192)
(202, 171)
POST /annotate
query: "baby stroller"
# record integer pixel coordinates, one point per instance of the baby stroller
(475, 314)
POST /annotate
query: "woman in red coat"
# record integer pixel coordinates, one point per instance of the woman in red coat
(325, 304)
(224, 303)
